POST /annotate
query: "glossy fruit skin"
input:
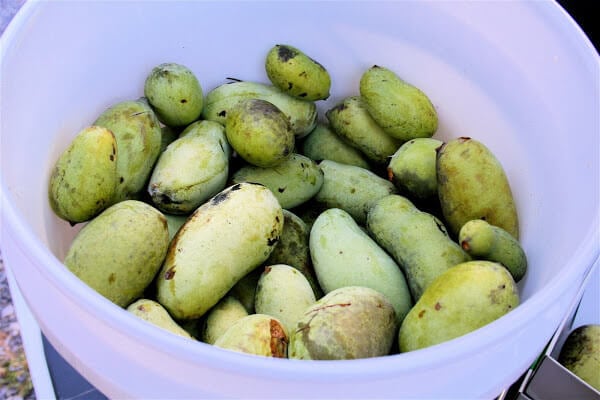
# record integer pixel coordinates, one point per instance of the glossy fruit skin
(84, 178)
(488, 242)
(119, 252)
(302, 114)
(258, 334)
(259, 132)
(461, 300)
(351, 120)
(224, 314)
(174, 93)
(401, 109)
(417, 240)
(472, 184)
(153, 312)
(138, 135)
(344, 255)
(324, 144)
(221, 242)
(284, 293)
(412, 168)
(353, 189)
(296, 74)
(293, 181)
(192, 169)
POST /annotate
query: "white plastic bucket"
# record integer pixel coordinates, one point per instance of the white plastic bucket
(518, 76)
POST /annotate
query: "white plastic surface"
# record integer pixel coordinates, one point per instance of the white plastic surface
(518, 76)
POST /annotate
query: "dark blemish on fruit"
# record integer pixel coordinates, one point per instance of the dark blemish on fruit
(141, 307)
(170, 273)
(219, 198)
(112, 157)
(285, 53)
(237, 186)
(390, 174)
(331, 305)
(440, 227)
(278, 341)
(272, 241)
(165, 199)
(437, 306)
(421, 313)
(281, 190)
(465, 244)
(303, 74)
(183, 101)
(121, 180)
(290, 85)
(222, 113)
(111, 278)
(352, 190)
(303, 94)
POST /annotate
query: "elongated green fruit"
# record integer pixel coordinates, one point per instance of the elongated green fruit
(295, 73)
(580, 354)
(417, 240)
(461, 300)
(259, 132)
(302, 114)
(258, 334)
(222, 241)
(153, 312)
(353, 189)
(224, 314)
(487, 242)
(192, 169)
(401, 109)
(284, 293)
(324, 144)
(84, 178)
(138, 135)
(344, 255)
(347, 323)
(352, 122)
(174, 93)
(412, 168)
(293, 181)
(119, 252)
(473, 185)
